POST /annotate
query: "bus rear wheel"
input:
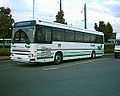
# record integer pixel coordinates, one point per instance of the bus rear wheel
(93, 55)
(58, 58)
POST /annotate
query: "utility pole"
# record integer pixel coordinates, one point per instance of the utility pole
(33, 8)
(60, 5)
(85, 17)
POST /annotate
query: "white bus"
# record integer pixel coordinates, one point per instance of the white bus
(41, 41)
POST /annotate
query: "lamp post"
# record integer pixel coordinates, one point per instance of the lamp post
(60, 5)
(85, 17)
(33, 8)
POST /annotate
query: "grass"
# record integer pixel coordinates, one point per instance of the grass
(4, 51)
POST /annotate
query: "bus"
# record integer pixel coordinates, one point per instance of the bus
(5, 43)
(42, 41)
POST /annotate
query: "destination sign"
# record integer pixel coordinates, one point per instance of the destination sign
(25, 23)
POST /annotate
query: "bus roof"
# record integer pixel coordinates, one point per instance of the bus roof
(58, 25)
(63, 26)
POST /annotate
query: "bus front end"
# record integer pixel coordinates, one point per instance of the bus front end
(22, 47)
(22, 53)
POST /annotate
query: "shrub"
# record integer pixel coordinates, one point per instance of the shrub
(4, 51)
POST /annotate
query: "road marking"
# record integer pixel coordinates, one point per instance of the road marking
(58, 67)
(68, 65)
(52, 68)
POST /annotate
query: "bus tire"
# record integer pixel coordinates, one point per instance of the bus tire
(93, 55)
(58, 58)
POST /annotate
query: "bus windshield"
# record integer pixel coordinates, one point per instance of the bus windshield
(23, 34)
(117, 42)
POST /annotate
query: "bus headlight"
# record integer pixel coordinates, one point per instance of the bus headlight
(30, 55)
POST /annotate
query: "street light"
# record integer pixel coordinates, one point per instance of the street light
(85, 18)
(60, 5)
(33, 8)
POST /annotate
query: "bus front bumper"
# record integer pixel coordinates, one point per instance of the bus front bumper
(24, 59)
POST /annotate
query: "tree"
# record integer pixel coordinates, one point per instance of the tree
(102, 26)
(6, 22)
(105, 28)
(96, 27)
(109, 29)
(60, 17)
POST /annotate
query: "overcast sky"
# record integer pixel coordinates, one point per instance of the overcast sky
(97, 10)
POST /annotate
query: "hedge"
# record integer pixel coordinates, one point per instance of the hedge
(4, 51)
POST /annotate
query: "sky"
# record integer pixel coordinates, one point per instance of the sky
(46, 10)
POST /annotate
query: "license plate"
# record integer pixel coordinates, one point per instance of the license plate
(19, 58)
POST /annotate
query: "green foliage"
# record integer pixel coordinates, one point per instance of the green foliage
(96, 27)
(60, 17)
(4, 52)
(105, 28)
(6, 22)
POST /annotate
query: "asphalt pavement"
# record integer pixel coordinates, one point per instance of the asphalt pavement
(84, 77)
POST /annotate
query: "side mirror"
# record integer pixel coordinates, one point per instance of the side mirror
(12, 42)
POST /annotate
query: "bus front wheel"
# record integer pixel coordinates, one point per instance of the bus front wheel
(115, 54)
(58, 58)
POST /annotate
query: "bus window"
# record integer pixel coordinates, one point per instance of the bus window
(48, 34)
(86, 37)
(43, 34)
(21, 37)
(99, 39)
(92, 39)
(79, 36)
(39, 37)
(21, 34)
(58, 34)
(69, 35)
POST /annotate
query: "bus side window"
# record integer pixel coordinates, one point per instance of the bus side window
(39, 34)
(86, 37)
(43, 34)
(69, 35)
(48, 34)
(92, 38)
(99, 39)
(78, 36)
(58, 34)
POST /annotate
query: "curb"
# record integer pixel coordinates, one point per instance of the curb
(4, 58)
(107, 54)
